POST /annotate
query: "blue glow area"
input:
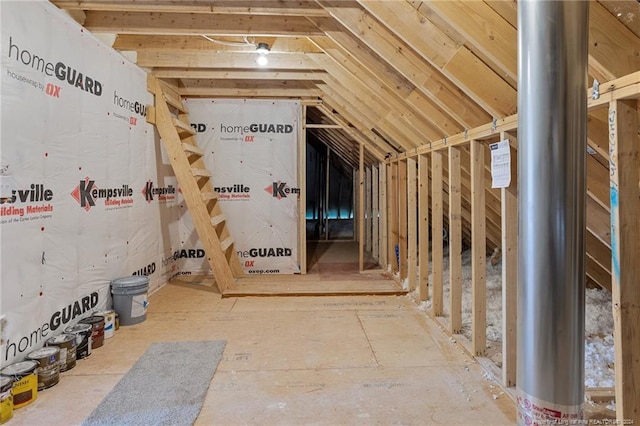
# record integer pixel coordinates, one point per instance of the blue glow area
(333, 214)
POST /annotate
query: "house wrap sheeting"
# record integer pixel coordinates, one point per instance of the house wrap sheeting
(251, 148)
(87, 195)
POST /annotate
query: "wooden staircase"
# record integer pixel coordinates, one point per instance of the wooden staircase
(170, 117)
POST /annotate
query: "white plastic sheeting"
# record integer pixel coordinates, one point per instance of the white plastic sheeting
(88, 196)
(251, 147)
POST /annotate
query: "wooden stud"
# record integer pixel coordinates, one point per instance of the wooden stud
(375, 212)
(423, 227)
(402, 218)
(412, 222)
(437, 206)
(509, 202)
(367, 210)
(384, 256)
(302, 199)
(392, 206)
(455, 241)
(624, 167)
(361, 210)
(478, 250)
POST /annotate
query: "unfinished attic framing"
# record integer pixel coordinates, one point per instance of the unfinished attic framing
(408, 96)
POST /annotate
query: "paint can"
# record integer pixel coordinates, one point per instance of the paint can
(67, 344)
(130, 298)
(97, 326)
(109, 323)
(48, 359)
(82, 332)
(6, 399)
(25, 382)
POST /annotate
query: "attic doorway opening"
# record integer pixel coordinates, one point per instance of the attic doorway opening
(330, 194)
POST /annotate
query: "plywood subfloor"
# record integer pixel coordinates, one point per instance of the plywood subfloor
(333, 269)
(333, 360)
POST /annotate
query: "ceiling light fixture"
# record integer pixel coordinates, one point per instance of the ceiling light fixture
(262, 48)
(263, 51)
(262, 60)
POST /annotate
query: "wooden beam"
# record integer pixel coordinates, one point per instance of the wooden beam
(412, 222)
(436, 232)
(398, 54)
(420, 118)
(287, 93)
(509, 201)
(392, 215)
(613, 48)
(479, 251)
(598, 221)
(417, 31)
(212, 44)
(597, 182)
(367, 209)
(484, 86)
(483, 28)
(375, 212)
(324, 126)
(384, 255)
(627, 87)
(597, 273)
(197, 23)
(218, 74)
(455, 242)
(402, 219)
(302, 198)
(363, 62)
(352, 129)
(226, 60)
(423, 227)
(624, 169)
(408, 133)
(256, 7)
(457, 63)
(371, 114)
(361, 211)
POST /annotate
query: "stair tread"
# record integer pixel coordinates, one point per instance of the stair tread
(218, 219)
(207, 196)
(172, 97)
(201, 172)
(224, 245)
(176, 103)
(183, 128)
(192, 149)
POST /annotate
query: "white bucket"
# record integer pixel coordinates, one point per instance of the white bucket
(130, 298)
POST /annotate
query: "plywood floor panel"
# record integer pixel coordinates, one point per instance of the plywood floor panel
(369, 396)
(323, 304)
(330, 360)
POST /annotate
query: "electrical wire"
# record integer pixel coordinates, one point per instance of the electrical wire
(245, 41)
